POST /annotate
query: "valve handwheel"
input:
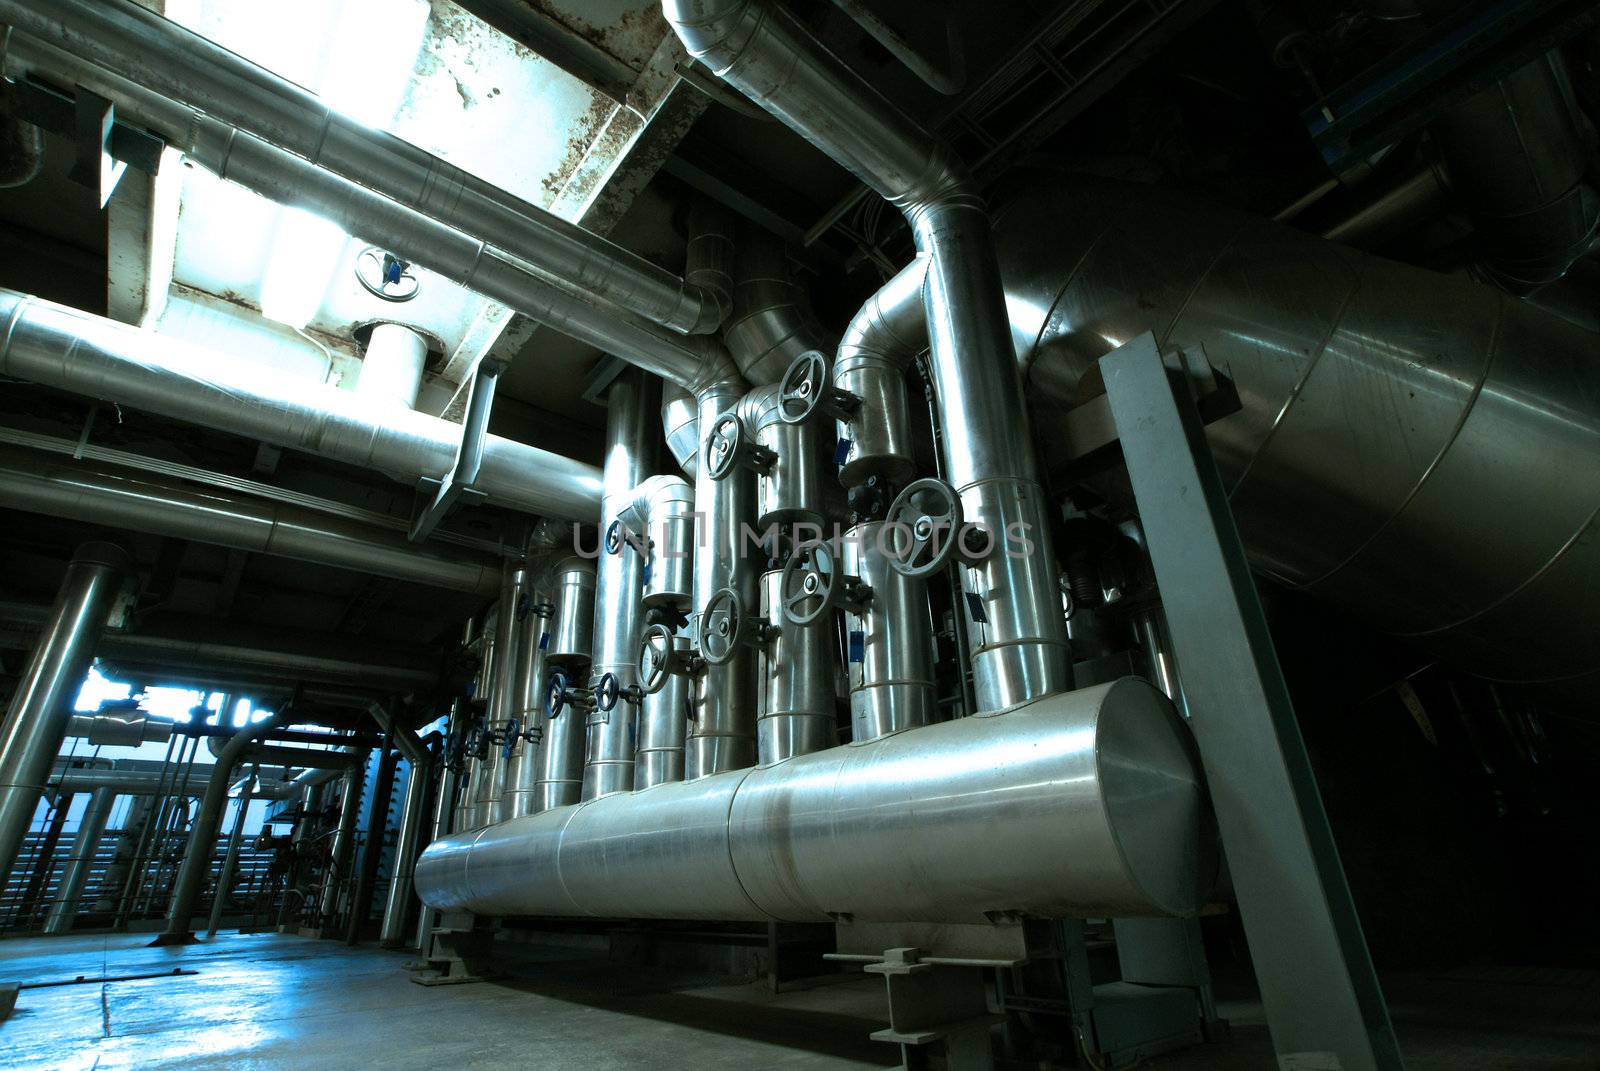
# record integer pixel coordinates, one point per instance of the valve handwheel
(555, 694)
(725, 446)
(724, 627)
(607, 692)
(924, 525)
(802, 388)
(658, 659)
(614, 538)
(811, 584)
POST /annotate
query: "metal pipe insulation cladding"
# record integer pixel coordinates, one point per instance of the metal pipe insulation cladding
(1085, 803)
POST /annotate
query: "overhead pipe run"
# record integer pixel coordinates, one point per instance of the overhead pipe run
(1019, 644)
(392, 364)
(140, 502)
(59, 347)
(154, 52)
(1084, 804)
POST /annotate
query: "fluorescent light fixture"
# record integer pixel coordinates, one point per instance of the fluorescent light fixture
(366, 79)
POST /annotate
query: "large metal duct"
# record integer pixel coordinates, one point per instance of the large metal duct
(772, 322)
(659, 515)
(40, 483)
(874, 352)
(1417, 448)
(36, 722)
(613, 724)
(762, 49)
(559, 754)
(1081, 804)
(154, 52)
(76, 351)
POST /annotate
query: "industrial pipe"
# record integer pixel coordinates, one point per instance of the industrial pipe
(230, 860)
(1020, 651)
(613, 724)
(659, 515)
(1414, 447)
(154, 52)
(1084, 804)
(877, 347)
(529, 672)
(344, 840)
(559, 753)
(85, 846)
(203, 831)
(36, 722)
(76, 351)
(392, 364)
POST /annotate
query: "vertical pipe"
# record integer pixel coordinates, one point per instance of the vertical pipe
(85, 849)
(559, 754)
(129, 836)
(889, 641)
(630, 436)
(469, 809)
(527, 698)
(41, 705)
(407, 841)
(372, 851)
(230, 861)
(391, 368)
(796, 716)
(343, 838)
(722, 698)
(510, 624)
(663, 726)
(43, 861)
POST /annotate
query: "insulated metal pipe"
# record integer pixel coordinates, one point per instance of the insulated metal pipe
(1414, 447)
(408, 836)
(789, 489)
(796, 715)
(664, 726)
(659, 515)
(230, 861)
(889, 636)
(36, 722)
(527, 699)
(722, 698)
(1083, 804)
(75, 351)
(559, 755)
(85, 846)
(337, 874)
(510, 624)
(203, 832)
(153, 52)
(877, 347)
(391, 367)
(1020, 652)
(630, 438)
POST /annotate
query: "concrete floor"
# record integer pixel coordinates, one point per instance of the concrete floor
(269, 1002)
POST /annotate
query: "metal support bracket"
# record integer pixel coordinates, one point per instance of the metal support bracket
(932, 1005)
(94, 120)
(1321, 994)
(461, 482)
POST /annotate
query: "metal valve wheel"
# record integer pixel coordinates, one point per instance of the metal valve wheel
(614, 538)
(924, 525)
(729, 446)
(724, 627)
(658, 659)
(513, 733)
(811, 584)
(557, 694)
(805, 391)
(607, 692)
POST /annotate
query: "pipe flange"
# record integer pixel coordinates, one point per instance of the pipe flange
(724, 627)
(729, 447)
(805, 391)
(926, 527)
(812, 583)
(659, 658)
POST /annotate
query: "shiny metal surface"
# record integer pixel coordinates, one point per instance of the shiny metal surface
(391, 367)
(196, 865)
(1080, 804)
(789, 491)
(527, 700)
(723, 697)
(881, 341)
(511, 626)
(772, 322)
(74, 351)
(631, 406)
(659, 512)
(892, 684)
(408, 838)
(80, 860)
(138, 777)
(663, 727)
(335, 887)
(796, 716)
(680, 424)
(558, 757)
(1414, 447)
(120, 728)
(763, 50)
(170, 60)
(36, 721)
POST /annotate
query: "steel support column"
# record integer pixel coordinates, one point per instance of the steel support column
(1321, 993)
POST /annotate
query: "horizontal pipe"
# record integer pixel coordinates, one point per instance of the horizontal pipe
(149, 780)
(59, 347)
(1081, 804)
(38, 483)
(171, 60)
